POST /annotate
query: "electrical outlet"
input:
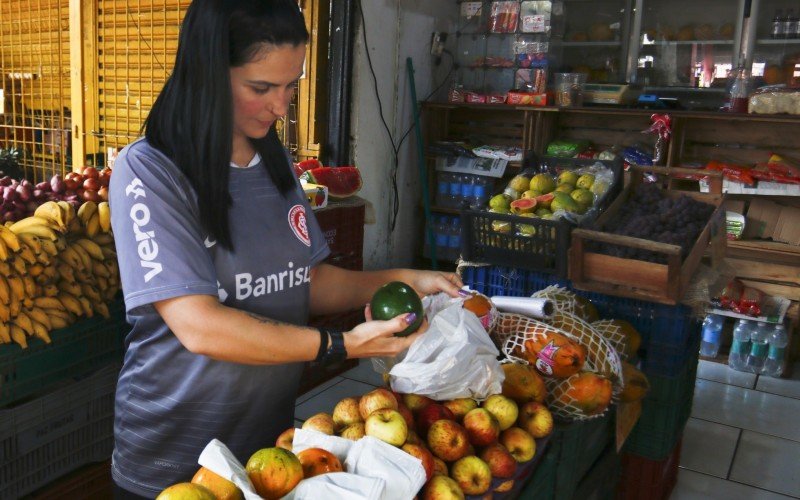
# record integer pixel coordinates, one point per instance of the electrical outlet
(437, 43)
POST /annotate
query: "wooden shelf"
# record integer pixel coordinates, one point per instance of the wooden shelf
(766, 246)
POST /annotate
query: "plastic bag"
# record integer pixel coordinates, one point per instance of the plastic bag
(454, 358)
(773, 100)
(339, 485)
(402, 473)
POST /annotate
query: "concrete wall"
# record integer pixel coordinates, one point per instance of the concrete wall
(396, 29)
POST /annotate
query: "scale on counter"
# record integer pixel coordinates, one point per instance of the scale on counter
(610, 93)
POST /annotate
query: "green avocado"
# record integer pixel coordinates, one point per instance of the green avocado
(396, 298)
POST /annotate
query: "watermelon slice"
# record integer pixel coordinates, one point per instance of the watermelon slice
(304, 165)
(341, 181)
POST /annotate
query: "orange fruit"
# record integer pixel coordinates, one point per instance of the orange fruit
(218, 485)
(478, 304)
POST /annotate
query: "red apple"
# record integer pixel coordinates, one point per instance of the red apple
(321, 422)
(536, 419)
(415, 402)
(354, 432)
(472, 475)
(388, 426)
(274, 472)
(482, 427)
(285, 439)
(439, 467)
(448, 440)
(346, 412)
(430, 414)
(501, 462)
(424, 455)
(460, 406)
(519, 443)
(407, 415)
(413, 438)
(441, 488)
(316, 461)
(376, 400)
(504, 409)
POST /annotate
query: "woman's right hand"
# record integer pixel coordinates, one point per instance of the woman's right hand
(377, 338)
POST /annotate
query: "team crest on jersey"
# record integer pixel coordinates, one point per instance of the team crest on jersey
(297, 221)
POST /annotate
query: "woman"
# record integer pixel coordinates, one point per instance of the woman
(220, 266)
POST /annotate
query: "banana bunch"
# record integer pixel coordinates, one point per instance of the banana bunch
(95, 218)
(55, 267)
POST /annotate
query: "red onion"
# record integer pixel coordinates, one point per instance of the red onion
(24, 192)
(9, 193)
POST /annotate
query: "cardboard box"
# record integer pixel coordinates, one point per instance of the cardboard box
(316, 195)
(734, 206)
(762, 218)
(787, 229)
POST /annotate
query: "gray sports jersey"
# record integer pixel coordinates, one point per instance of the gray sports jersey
(170, 403)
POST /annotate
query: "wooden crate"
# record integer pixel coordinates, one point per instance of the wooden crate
(663, 283)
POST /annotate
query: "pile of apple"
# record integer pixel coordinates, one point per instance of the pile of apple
(21, 197)
(463, 446)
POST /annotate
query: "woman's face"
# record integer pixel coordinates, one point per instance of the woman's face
(263, 88)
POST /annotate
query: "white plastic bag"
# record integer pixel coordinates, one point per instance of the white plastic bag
(218, 458)
(402, 473)
(339, 485)
(306, 438)
(454, 358)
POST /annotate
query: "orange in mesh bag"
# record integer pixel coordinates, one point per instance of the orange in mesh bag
(552, 352)
(620, 334)
(582, 396)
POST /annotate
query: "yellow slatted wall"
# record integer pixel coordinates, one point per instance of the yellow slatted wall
(35, 64)
(126, 50)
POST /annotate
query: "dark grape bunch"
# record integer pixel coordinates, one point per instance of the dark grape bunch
(650, 214)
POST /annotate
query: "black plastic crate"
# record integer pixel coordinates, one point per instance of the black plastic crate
(547, 248)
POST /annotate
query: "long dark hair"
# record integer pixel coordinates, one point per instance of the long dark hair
(191, 121)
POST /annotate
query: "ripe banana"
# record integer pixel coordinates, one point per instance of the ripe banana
(71, 303)
(58, 312)
(109, 253)
(5, 334)
(29, 285)
(92, 248)
(67, 210)
(27, 255)
(48, 303)
(88, 311)
(102, 309)
(86, 259)
(17, 287)
(5, 313)
(72, 258)
(50, 272)
(5, 269)
(27, 303)
(35, 270)
(14, 307)
(104, 214)
(27, 239)
(102, 283)
(100, 270)
(93, 226)
(18, 336)
(59, 322)
(49, 247)
(50, 290)
(23, 321)
(9, 238)
(104, 239)
(5, 291)
(61, 243)
(43, 259)
(18, 265)
(37, 314)
(71, 287)
(91, 293)
(39, 226)
(52, 212)
(86, 211)
(4, 253)
(66, 272)
(40, 331)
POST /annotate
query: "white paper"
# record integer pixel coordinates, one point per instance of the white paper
(527, 306)
(217, 458)
(336, 485)
(402, 473)
(306, 438)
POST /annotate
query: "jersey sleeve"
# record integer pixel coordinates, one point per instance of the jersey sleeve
(159, 239)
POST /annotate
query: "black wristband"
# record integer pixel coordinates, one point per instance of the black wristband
(336, 353)
(323, 344)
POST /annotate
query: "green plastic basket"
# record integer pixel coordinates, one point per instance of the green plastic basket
(665, 411)
(577, 446)
(542, 485)
(600, 483)
(76, 350)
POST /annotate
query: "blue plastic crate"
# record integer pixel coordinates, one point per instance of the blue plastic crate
(670, 334)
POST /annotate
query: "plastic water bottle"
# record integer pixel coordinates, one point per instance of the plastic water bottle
(454, 240)
(778, 340)
(467, 189)
(454, 199)
(759, 346)
(442, 188)
(740, 346)
(480, 192)
(442, 232)
(712, 336)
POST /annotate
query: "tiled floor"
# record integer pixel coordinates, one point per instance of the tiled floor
(742, 441)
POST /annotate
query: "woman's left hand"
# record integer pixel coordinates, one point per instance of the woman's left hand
(430, 282)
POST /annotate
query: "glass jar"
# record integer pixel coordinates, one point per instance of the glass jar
(569, 89)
